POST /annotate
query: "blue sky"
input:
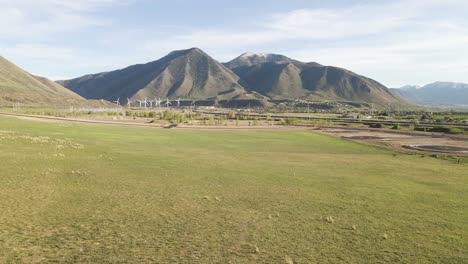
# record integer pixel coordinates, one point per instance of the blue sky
(395, 42)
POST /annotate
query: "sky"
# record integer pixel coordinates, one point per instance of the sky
(402, 42)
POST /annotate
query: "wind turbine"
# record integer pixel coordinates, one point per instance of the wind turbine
(156, 102)
(146, 102)
(141, 102)
(178, 102)
(159, 103)
(117, 102)
(129, 103)
(168, 103)
(151, 103)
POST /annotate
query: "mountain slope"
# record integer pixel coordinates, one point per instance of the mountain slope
(284, 78)
(19, 86)
(438, 93)
(190, 74)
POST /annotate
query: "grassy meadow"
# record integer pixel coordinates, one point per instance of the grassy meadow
(93, 193)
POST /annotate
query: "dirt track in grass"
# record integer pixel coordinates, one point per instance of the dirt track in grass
(392, 139)
(400, 140)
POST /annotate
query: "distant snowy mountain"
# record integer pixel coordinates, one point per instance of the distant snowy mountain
(250, 59)
(438, 93)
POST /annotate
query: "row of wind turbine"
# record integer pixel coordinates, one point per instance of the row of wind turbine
(157, 102)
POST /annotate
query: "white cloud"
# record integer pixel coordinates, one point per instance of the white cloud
(399, 42)
(395, 42)
(31, 20)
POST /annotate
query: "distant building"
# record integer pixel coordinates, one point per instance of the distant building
(352, 116)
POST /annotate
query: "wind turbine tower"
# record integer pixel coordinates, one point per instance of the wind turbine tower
(151, 103)
(146, 102)
(159, 103)
(168, 103)
(141, 102)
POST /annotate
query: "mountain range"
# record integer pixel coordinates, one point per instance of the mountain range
(193, 75)
(438, 93)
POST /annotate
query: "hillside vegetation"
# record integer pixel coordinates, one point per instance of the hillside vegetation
(19, 86)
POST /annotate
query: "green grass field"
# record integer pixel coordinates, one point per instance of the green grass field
(89, 193)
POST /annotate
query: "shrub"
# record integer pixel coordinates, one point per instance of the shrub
(378, 125)
(291, 121)
(255, 122)
(447, 130)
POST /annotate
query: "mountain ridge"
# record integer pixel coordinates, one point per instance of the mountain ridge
(190, 73)
(437, 93)
(280, 77)
(194, 75)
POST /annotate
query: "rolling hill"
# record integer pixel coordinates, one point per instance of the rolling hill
(19, 86)
(280, 77)
(438, 93)
(190, 74)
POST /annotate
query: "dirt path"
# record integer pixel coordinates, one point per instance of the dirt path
(403, 141)
(155, 125)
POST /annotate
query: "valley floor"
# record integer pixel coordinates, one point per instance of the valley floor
(90, 193)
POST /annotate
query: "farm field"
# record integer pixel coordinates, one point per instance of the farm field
(92, 193)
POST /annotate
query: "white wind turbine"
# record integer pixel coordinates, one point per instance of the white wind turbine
(178, 102)
(155, 102)
(129, 103)
(141, 102)
(159, 103)
(168, 103)
(117, 102)
(151, 103)
(146, 102)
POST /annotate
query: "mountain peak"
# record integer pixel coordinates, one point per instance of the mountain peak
(251, 58)
(194, 50)
(253, 54)
(189, 74)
